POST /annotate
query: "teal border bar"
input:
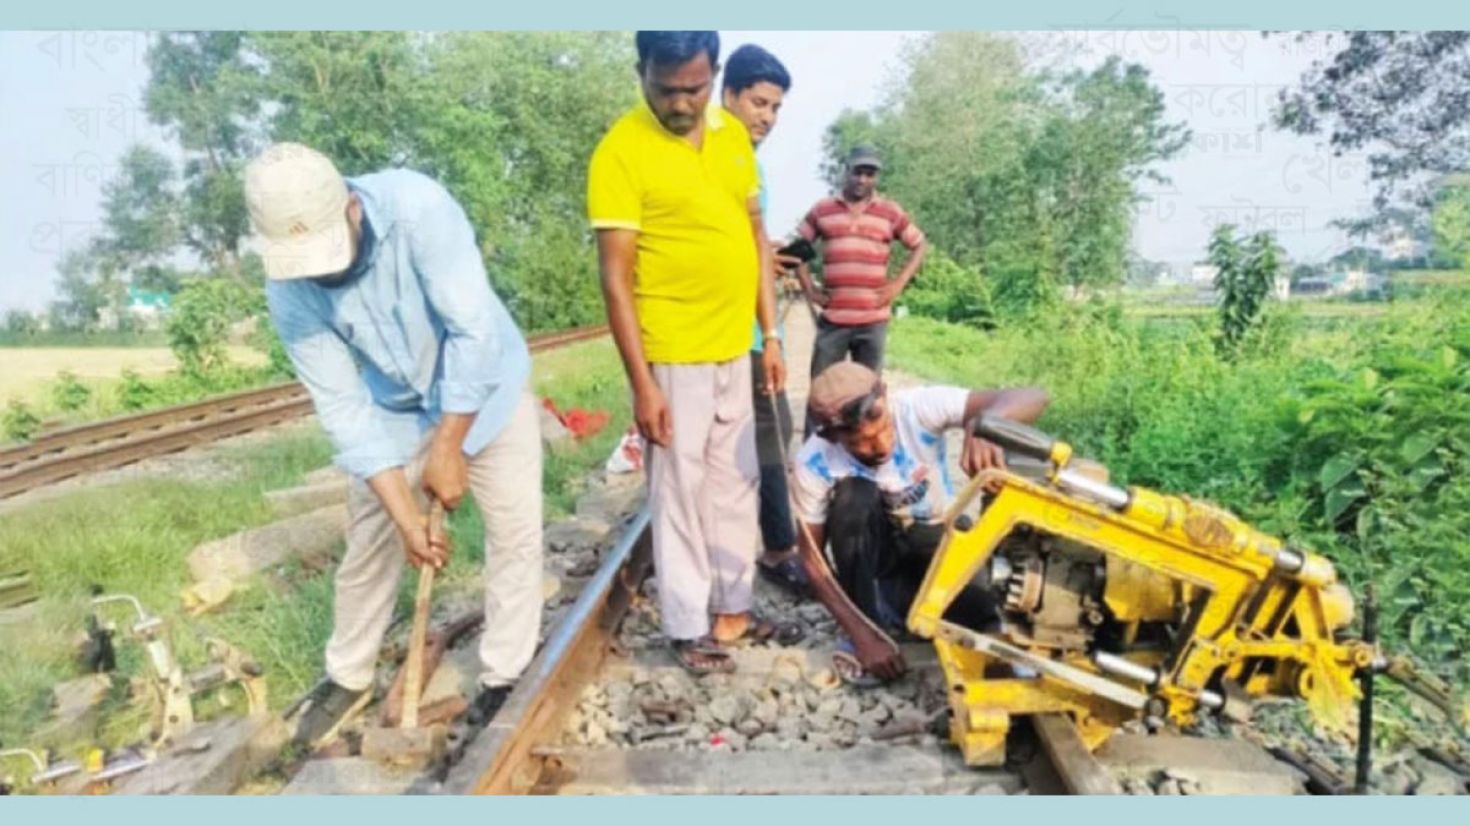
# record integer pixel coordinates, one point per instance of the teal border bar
(745, 14)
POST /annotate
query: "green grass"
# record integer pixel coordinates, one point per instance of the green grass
(588, 376)
(1428, 277)
(133, 537)
(1306, 307)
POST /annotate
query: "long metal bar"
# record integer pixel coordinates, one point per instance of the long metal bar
(1085, 680)
(82, 435)
(1364, 763)
(1110, 495)
(1120, 667)
(592, 593)
(110, 455)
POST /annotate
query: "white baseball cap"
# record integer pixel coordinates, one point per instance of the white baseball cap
(298, 206)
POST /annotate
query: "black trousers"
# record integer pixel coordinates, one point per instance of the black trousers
(834, 342)
(778, 530)
(880, 564)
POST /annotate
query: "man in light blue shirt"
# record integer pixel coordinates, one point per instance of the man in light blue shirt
(754, 87)
(419, 377)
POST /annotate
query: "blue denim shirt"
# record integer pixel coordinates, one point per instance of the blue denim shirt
(412, 330)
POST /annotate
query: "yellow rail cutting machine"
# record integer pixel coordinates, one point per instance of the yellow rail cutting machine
(1118, 605)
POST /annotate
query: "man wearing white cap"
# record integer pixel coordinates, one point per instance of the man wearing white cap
(419, 376)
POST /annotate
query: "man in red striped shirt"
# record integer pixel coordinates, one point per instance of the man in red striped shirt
(857, 230)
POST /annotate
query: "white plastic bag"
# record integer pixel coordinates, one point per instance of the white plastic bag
(627, 457)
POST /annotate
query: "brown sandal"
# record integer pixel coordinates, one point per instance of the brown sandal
(715, 659)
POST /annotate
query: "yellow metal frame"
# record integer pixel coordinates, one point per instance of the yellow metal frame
(1251, 625)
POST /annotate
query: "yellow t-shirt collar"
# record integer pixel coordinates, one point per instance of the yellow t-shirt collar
(714, 116)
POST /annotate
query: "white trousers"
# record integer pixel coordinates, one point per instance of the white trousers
(505, 478)
(703, 496)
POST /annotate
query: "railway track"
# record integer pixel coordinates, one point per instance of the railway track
(522, 751)
(122, 441)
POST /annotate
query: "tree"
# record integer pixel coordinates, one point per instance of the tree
(141, 228)
(354, 96)
(1142, 272)
(1245, 273)
(21, 323)
(505, 120)
(1451, 223)
(1107, 133)
(204, 88)
(514, 120)
(86, 292)
(141, 232)
(1030, 178)
(1401, 96)
(1359, 258)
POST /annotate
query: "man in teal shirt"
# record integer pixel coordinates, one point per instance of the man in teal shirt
(754, 87)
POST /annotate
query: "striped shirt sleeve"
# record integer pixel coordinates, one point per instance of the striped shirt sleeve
(905, 230)
(808, 227)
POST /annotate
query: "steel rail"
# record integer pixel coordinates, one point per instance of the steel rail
(124, 440)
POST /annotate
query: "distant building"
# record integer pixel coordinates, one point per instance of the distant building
(1188, 275)
(148, 307)
(1339, 283)
(144, 308)
(1281, 287)
(1203, 275)
(147, 303)
(1318, 285)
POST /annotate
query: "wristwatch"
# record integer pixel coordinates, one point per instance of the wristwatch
(771, 335)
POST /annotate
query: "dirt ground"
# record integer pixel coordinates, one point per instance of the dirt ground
(27, 370)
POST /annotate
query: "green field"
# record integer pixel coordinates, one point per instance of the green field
(1307, 309)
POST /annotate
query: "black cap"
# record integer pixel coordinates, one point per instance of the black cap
(864, 156)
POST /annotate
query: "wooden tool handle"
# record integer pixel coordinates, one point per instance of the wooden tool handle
(413, 667)
(436, 523)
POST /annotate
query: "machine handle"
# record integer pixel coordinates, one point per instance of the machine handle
(1014, 436)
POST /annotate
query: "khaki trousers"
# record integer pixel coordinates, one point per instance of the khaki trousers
(505, 478)
(703, 496)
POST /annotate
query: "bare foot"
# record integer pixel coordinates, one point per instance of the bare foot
(728, 627)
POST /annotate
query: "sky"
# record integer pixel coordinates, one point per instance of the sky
(71, 103)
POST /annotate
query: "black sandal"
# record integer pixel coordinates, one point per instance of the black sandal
(788, 574)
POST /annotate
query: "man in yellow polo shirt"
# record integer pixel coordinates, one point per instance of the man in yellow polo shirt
(673, 193)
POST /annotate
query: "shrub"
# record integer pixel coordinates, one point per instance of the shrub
(19, 422)
(69, 394)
